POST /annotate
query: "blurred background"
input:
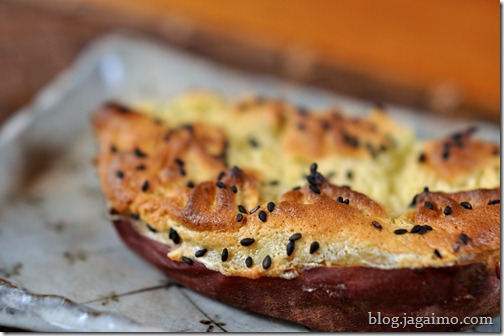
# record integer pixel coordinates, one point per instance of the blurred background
(443, 56)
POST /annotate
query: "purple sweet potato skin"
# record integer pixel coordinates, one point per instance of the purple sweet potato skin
(339, 298)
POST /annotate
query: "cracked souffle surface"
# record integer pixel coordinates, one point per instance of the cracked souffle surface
(259, 187)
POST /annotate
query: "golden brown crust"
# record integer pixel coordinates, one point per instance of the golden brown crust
(179, 188)
(318, 135)
(458, 155)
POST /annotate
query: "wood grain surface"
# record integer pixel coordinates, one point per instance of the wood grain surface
(439, 55)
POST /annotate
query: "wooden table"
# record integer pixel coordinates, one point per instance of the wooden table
(439, 55)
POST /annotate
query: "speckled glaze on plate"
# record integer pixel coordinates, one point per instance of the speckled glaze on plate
(55, 237)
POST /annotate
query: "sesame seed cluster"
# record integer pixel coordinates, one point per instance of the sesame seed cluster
(264, 188)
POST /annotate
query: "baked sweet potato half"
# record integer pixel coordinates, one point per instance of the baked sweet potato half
(226, 199)
(340, 298)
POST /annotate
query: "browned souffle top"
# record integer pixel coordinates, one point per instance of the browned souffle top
(235, 186)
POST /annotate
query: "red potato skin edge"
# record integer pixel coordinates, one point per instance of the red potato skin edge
(339, 298)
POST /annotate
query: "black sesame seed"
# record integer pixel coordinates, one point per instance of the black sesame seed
(466, 205)
(139, 153)
(446, 154)
(339, 199)
(315, 178)
(429, 205)
(492, 202)
(182, 171)
(347, 201)
(355, 142)
(179, 161)
(253, 142)
(296, 188)
(151, 229)
(239, 217)
(200, 253)
(249, 262)
(413, 202)
(313, 168)
(421, 157)
(456, 135)
(349, 175)
(447, 211)
(314, 247)
(247, 241)
(221, 175)
(188, 127)
(234, 189)
(400, 231)
(220, 185)
(266, 262)
(302, 110)
(314, 189)
(145, 186)
(426, 189)
(140, 167)
(120, 108)
(190, 184)
(123, 109)
(270, 206)
(236, 171)
(377, 225)
(423, 230)
(262, 216)
(436, 252)
(187, 261)
(464, 238)
(274, 183)
(325, 125)
(371, 150)
(242, 209)
(224, 254)
(350, 140)
(120, 174)
(135, 216)
(428, 227)
(174, 236)
(255, 209)
(113, 149)
(290, 247)
(416, 229)
(295, 236)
